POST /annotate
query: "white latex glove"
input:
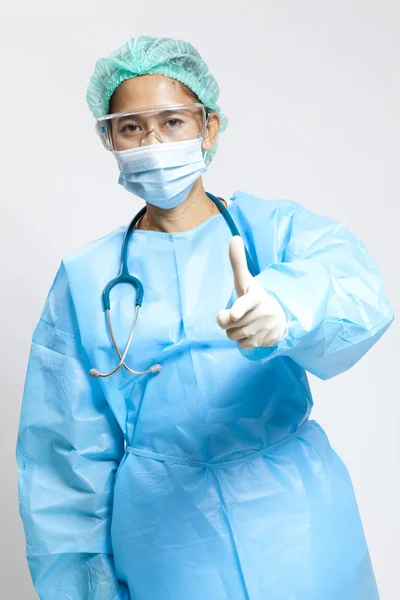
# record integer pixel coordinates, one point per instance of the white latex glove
(256, 318)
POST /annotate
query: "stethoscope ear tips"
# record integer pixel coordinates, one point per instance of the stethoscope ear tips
(153, 369)
(94, 373)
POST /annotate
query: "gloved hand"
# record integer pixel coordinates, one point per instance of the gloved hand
(256, 318)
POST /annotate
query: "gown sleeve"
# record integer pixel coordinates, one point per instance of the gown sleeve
(68, 448)
(331, 290)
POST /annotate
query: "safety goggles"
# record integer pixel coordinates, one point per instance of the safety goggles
(168, 123)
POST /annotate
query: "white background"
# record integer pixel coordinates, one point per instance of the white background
(312, 90)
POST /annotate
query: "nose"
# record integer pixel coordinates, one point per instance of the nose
(154, 139)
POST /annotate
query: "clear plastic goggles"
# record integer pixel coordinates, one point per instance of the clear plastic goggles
(169, 123)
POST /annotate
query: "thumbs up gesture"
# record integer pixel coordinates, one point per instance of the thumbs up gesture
(256, 318)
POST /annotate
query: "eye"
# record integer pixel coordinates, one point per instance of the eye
(129, 128)
(173, 122)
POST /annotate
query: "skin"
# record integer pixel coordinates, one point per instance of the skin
(157, 90)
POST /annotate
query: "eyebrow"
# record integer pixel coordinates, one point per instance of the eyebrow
(164, 113)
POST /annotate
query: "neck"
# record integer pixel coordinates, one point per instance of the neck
(195, 209)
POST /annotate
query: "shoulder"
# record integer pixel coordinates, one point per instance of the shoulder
(293, 226)
(258, 212)
(96, 249)
(247, 202)
(283, 211)
(79, 268)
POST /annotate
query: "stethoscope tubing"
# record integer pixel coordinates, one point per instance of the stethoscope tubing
(125, 277)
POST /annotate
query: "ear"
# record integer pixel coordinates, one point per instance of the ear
(211, 132)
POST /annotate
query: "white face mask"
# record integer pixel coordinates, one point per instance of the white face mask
(161, 174)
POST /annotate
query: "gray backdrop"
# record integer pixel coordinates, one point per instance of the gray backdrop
(312, 90)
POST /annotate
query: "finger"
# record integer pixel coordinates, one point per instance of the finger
(245, 326)
(237, 333)
(237, 256)
(246, 343)
(247, 340)
(249, 304)
(243, 305)
(224, 318)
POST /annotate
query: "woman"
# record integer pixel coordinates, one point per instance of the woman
(187, 466)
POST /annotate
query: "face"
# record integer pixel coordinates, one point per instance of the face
(157, 90)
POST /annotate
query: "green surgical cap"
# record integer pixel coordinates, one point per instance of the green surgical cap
(166, 56)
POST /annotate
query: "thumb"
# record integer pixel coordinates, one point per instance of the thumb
(237, 256)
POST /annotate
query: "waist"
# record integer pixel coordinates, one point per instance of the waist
(180, 460)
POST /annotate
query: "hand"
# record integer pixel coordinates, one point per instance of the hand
(256, 318)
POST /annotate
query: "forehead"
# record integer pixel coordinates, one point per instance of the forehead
(147, 90)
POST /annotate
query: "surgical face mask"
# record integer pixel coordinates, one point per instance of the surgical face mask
(161, 174)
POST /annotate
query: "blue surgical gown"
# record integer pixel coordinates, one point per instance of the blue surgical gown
(207, 480)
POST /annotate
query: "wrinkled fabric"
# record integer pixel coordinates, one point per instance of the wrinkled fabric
(208, 479)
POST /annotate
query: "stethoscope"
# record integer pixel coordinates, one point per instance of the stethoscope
(125, 277)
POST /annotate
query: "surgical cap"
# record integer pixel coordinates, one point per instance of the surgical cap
(144, 55)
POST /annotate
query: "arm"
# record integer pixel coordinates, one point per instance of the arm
(68, 449)
(331, 290)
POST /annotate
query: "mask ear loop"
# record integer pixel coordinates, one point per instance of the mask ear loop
(207, 113)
